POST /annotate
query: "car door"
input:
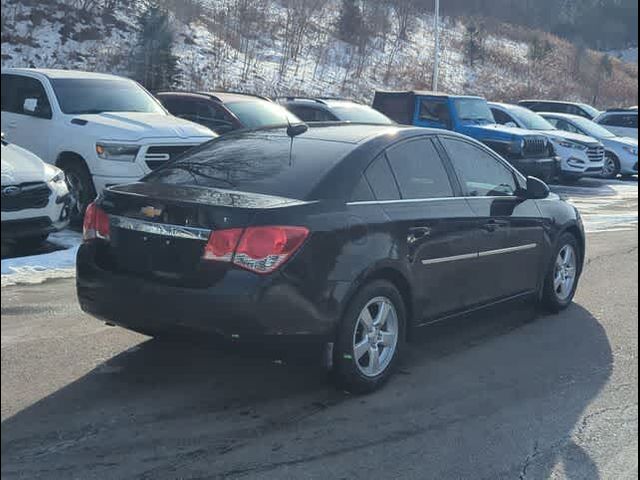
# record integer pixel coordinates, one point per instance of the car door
(434, 225)
(510, 229)
(27, 114)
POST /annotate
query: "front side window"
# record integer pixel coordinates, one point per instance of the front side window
(501, 117)
(435, 111)
(78, 96)
(419, 171)
(480, 174)
(25, 96)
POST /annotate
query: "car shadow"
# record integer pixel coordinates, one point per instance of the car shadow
(167, 409)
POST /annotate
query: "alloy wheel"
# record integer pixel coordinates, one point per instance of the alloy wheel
(375, 337)
(565, 271)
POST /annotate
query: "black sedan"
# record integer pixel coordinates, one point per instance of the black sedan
(351, 235)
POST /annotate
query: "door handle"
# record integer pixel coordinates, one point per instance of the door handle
(418, 233)
(12, 125)
(493, 225)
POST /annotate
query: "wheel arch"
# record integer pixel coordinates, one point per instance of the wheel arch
(66, 157)
(398, 279)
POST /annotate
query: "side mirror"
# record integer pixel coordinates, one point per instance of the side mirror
(511, 125)
(536, 189)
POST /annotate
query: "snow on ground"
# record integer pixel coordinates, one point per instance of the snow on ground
(38, 268)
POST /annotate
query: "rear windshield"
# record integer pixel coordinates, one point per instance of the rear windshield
(260, 113)
(268, 163)
(360, 114)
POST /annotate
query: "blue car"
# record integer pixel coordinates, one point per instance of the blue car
(529, 152)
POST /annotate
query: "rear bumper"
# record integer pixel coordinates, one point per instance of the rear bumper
(544, 168)
(241, 306)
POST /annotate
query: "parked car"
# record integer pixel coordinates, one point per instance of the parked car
(571, 108)
(35, 197)
(621, 156)
(100, 129)
(347, 234)
(530, 152)
(224, 112)
(333, 110)
(621, 122)
(580, 155)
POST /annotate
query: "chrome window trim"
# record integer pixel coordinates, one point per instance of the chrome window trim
(487, 253)
(420, 200)
(164, 229)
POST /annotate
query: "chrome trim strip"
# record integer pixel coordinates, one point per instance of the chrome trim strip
(176, 231)
(520, 248)
(455, 258)
(488, 253)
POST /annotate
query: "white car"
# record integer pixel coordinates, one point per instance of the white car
(580, 155)
(100, 129)
(623, 123)
(621, 156)
(35, 197)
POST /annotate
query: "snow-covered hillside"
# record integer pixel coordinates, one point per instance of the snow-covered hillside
(217, 51)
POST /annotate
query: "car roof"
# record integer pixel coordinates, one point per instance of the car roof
(426, 93)
(221, 97)
(52, 73)
(559, 102)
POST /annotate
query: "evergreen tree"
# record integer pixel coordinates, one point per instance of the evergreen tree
(155, 65)
(350, 23)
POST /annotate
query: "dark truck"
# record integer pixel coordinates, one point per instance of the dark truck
(529, 152)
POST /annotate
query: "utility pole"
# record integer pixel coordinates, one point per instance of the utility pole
(436, 60)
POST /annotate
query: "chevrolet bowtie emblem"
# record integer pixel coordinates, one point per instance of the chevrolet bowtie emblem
(151, 212)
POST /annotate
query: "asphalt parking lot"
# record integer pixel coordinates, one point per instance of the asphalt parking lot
(502, 395)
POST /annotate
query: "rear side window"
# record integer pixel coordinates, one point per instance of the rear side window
(381, 180)
(480, 173)
(9, 93)
(419, 170)
(258, 162)
(625, 121)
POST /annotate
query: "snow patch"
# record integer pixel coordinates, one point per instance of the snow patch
(39, 268)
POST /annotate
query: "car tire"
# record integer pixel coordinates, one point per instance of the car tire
(31, 243)
(561, 280)
(81, 188)
(375, 321)
(611, 168)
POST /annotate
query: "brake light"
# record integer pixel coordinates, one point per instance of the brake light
(96, 224)
(257, 249)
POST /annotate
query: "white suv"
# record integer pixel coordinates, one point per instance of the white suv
(100, 129)
(35, 198)
(623, 123)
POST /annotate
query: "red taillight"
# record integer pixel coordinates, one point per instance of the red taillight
(222, 245)
(96, 224)
(258, 249)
